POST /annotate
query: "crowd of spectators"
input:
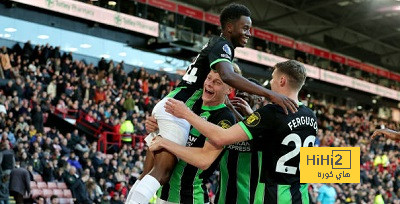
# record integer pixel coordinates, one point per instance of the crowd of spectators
(380, 158)
(41, 79)
(176, 20)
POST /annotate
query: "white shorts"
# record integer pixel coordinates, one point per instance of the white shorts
(170, 127)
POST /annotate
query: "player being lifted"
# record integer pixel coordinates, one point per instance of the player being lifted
(216, 55)
(277, 135)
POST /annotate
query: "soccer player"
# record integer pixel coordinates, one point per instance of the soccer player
(187, 182)
(216, 55)
(277, 135)
(239, 172)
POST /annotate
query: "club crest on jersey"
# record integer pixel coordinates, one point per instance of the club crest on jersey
(224, 124)
(253, 119)
(227, 49)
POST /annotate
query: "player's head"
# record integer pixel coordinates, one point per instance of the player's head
(214, 90)
(235, 22)
(290, 75)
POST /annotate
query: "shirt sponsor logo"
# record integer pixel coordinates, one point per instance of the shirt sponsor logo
(225, 56)
(224, 124)
(253, 119)
(227, 49)
(240, 146)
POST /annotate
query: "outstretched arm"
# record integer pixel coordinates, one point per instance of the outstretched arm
(227, 74)
(216, 134)
(388, 133)
(201, 158)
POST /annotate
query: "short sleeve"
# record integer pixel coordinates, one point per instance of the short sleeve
(225, 119)
(258, 123)
(221, 52)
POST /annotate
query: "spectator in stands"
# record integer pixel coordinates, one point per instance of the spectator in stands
(36, 163)
(7, 158)
(326, 194)
(54, 199)
(37, 118)
(5, 63)
(129, 104)
(19, 184)
(40, 200)
(100, 95)
(47, 168)
(22, 125)
(94, 190)
(81, 147)
(75, 184)
(4, 188)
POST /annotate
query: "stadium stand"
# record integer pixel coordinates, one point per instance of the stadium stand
(86, 165)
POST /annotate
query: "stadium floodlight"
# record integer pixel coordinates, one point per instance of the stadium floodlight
(85, 45)
(10, 30)
(6, 35)
(158, 61)
(43, 37)
(112, 3)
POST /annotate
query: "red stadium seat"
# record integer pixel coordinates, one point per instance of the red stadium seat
(37, 177)
(58, 192)
(36, 193)
(62, 185)
(51, 185)
(33, 185)
(67, 193)
(66, 200)
(41, 185)
(47, 193)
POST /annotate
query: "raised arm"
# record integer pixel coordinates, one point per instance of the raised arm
(216, 135)
(388, 133)
(201, 158)
(227, 74)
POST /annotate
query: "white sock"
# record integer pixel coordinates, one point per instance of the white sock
(145, 190)
(131, 191)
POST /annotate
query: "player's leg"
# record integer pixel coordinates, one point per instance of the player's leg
(171, 128)
(147, 166)
(148, 163)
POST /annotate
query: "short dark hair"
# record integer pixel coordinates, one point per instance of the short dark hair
(295, 71)
(233, 12)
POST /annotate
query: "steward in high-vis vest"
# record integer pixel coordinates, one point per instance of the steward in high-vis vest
(127, 130)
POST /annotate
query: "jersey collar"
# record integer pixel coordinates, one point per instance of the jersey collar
(211, 108)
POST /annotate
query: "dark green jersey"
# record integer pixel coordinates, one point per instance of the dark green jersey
(187, 182)
(218, 49)
(189, 90)
(239, 174)
(279, 137)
